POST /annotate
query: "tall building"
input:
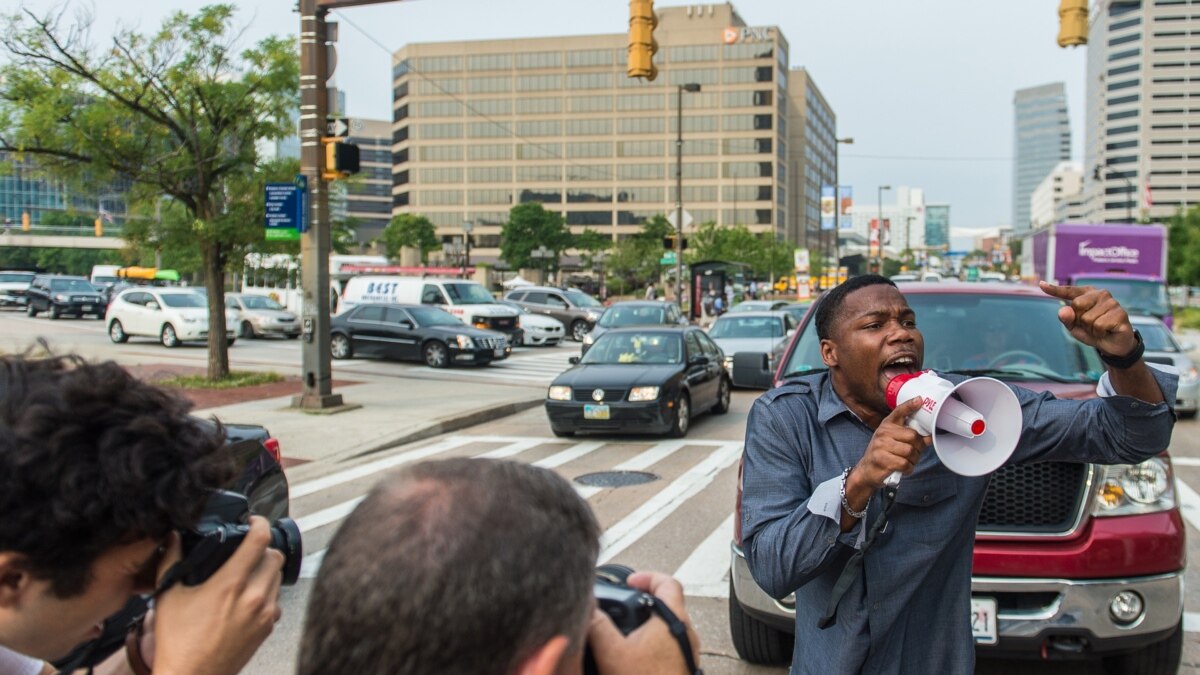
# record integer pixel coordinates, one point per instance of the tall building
(24, 189)
(812, 135)
(367, 197)
(481, 126)
(1041, 139)
(937, 226)
(1142, 145)
(1064, 183)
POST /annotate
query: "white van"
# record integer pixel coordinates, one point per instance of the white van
(468, 300)
(104, 276)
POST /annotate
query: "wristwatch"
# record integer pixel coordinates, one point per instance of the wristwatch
(1123, 362)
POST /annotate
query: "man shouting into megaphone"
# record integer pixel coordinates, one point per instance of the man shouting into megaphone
(882, 575)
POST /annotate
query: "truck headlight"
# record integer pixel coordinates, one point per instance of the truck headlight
(559, 392)
(465, 341)
(643, 394)
(1127, 489)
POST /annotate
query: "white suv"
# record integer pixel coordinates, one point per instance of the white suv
(171, 315)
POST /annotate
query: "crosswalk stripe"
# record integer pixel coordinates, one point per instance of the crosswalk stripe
(1191, 622)
(569, 455)
(705, 572)
(513, 448)
(656, 509)
(330, 515)
(1185, 461)
(326, 482)
(655, 454)
(1189, 503)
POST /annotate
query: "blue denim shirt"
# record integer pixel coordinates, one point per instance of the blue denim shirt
(908, 611)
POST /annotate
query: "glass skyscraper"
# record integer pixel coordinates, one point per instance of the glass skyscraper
(1041, 139)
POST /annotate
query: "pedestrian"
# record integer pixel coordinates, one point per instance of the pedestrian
(651, 292)
(444, 568)
(753, 289)
(728, 295)
(719, 306)
(819, 448)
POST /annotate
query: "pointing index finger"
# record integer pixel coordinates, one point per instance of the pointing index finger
(1067, 293)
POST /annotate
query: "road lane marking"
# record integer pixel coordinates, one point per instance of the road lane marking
(640, 462)
(1185, 461)
(333, 479)
(633, 527)
(330, 515)
(570, 454)
(1191, 622)
(1189, 502)
(705, 573)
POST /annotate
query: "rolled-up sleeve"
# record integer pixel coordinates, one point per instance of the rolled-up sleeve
(786, 542)
(1112, 430)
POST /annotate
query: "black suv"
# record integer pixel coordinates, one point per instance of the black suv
(58, 295)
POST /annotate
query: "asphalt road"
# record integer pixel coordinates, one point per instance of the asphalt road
(679, 522)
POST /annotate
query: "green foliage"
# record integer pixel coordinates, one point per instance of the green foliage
(588, 243)
(530, 226)
(78, 261)
(635, 260)
(407, 230)
(173, 113)
(1187, 317)
(235, 379)
(1183, 248)
(764, 254)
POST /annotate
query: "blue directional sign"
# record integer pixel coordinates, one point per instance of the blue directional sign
(285, 209)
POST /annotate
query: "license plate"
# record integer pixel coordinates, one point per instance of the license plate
(983, 620)
(87, 308)
(595, 412)
(499, 353)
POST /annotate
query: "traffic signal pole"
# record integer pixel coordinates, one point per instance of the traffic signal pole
(315, 241)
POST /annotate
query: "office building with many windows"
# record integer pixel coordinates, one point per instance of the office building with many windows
(481, 126)
(365, 200)
(1041, 139)
(1142, 144)
(24, 189)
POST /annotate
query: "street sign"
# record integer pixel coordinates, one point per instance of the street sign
(337, 127)
(668, 258)
(285, 202)
(687, 219)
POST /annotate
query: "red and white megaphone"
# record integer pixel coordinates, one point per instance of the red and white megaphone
(975, 424)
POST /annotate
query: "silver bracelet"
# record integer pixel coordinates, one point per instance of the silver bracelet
(846, 505)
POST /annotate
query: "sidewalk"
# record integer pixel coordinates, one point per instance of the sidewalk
(392, 413)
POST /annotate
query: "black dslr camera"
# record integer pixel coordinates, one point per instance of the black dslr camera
(628, 607)
(222, 528)
(206, 547)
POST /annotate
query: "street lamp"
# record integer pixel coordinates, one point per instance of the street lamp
(1101, 172)
(690, 87)
(879, 260)
(837, 210)
(467, 227)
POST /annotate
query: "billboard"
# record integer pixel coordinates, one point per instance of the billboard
(845, 201)
(828, 207)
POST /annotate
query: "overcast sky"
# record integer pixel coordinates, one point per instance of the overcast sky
(924, 87)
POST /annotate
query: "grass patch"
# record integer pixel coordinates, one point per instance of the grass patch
(233, 381)
(1187, 317)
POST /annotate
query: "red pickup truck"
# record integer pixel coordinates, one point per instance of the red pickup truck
(1072, 561)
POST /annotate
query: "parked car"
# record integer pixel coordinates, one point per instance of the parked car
(635, 313)
(172, 315)
(797, 310)
(1060, 548)
(415, 333)
(59, 296)
(537, 329)
(14, 287)
(261, 477)
(766, 332)
(642, 379)
(1163, 348)
(577, 310)
(259, 316)
(758, 306)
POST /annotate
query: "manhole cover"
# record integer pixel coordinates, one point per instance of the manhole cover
(613, 479)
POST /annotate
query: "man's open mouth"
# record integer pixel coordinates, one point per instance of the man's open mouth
(902, 364)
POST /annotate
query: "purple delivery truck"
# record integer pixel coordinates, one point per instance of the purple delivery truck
(1128, 260)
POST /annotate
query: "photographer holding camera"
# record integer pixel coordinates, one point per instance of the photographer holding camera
(98, 474)
(480, 566)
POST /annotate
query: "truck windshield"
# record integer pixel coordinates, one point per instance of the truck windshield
(469, 294)
(1136, 296)
(1011, 337)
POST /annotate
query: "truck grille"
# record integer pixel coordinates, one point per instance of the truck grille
(504, 323)
(1042, 498)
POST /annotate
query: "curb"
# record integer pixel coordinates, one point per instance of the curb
(448, 424)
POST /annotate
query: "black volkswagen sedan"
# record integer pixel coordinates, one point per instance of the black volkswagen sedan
(647, 379)
(415, 333)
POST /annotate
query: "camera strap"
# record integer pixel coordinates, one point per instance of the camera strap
(855, 563)
(679, 632)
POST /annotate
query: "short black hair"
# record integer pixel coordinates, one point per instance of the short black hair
(829, 307)
(91, 458)
(493, 558)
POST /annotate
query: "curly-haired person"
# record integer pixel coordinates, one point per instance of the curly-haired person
(98, 472)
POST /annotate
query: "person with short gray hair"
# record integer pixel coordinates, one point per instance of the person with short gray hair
(474, 566)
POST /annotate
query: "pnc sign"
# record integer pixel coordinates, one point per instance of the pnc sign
(747, 34)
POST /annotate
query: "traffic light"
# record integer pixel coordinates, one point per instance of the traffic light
(341, 158)
(669, 243)
(99, 227)
(642, 46)
(25, 221)
(1072, 23)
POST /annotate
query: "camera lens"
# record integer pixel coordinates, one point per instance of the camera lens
(285, 538)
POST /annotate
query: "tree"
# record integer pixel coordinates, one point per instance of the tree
(635, 260)
(175, 113)
(529, 226)
(407, 230)
(588, 243)
(1183, 248)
